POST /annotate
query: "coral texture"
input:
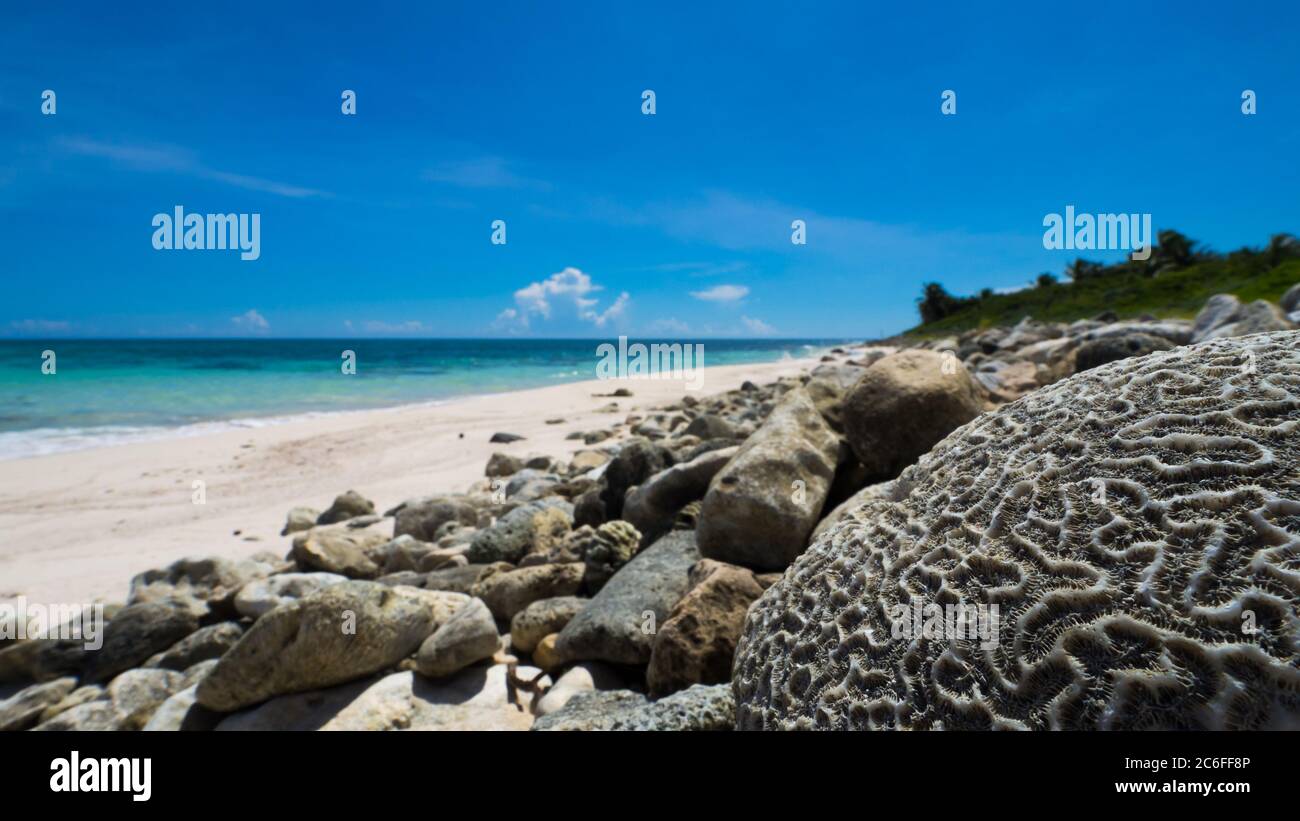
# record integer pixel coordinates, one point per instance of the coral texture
(1138, 527)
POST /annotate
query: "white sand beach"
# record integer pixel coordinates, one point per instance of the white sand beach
(77, 526)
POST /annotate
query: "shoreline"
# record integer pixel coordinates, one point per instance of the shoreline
(81, 523)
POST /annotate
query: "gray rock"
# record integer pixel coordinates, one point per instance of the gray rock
(182, 712)
(618, 624)
(541, 618)
(258, 598)
(762, 505)
(1109, 349)
(701, 707)
(203, 644)
(24, 708)
(90, 716)
(584, 677)
(207, 585)
(1290, 301)
(299, 519)
(652, 506)
(535, 526)
(636, 461)
(421, 518)
(345, 507)
(136, 694)
(135, 634)
(502, 464)
(1217, 311)
(467, 637)
(510, 591)
(344, 632)
(339, 550)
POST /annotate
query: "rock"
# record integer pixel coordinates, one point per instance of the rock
(258, 598)
(90, 716)
(1122, 520)
(854, 502)
(205, 643)
(545, 655)
(652, 506)
(505, 438)
(338, 550)
(589, 509)
(541, 618)
(762, 505)
(300, 518)
(697, 642)
(637, 460)
(529, 485)
(135, 634)
(79, 696)
(1109, 349)
(182, 712)
(207, 585)
(580, 678)
(1007, 381)
(24, 708)
(467, 637)
(587, 460)
(902, 406)
(827, 386)
(421, 518)
(1217, 311)
(534, 527)
(709, 426)
(604, 550)
(475, 699)
(1256, 317)
(502, 464)
(697, 708)
(345, 507)
(1290, 301)
(136, 694)
(618, 624)
(344, 632)
(42, 659)
(508, 592)
(460, 579)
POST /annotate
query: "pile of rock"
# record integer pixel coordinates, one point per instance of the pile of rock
(608, 591)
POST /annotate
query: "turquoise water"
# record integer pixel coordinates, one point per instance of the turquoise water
(111, 391)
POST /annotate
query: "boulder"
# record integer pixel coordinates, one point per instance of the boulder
(1290, 301)
(343, 551)
(652, 506)
(510, 591)
(422, 518)
(207, 585)
(697, 642)
(136, 694)
(479, 698)
(344, 632)
(902, 406)
(618, 624)
(604, 550)
(182, 712)
(260, 597)
(135, 634)
(697, 708)
(206, 643)
(541, 618)
(1108, 349)
(345, 507)
(580, 678)
(1217, 311)
(300, 518)
(23, 709)
(467, 637)
(761, 506)
(637, 460)
(502, 464)
(537, 526)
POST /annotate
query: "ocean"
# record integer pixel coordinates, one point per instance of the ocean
(106, 392)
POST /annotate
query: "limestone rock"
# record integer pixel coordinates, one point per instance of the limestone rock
(1109, 349)
(208, 584)
(652, 506)
(762, 505)
(580, 678)
(258, 598)
(300, 518)
(468, 636)
(209, 642)
(23, 709)
(422, 518)
(345, 507)
(697, 708)
(135, 634)
(618, 624)
(903, 405)
(344, 632)
(698, 641)
(637, 460)
(541, 618)
(604, 550)
(508, 592)
(537, 526)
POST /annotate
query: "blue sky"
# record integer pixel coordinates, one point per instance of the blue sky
(674, 225)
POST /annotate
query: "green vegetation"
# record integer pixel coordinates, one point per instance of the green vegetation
(1174, 282)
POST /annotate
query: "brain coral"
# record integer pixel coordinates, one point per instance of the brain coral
(1138, 528)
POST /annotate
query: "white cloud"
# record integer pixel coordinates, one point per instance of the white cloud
(251, 320)
(484, 172)
(180, 161)
(411, 326)
(722, 293)
(757, 327)
(568, 291)
(34, 326)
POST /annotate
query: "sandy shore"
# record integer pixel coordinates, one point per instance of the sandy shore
(77, 526)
